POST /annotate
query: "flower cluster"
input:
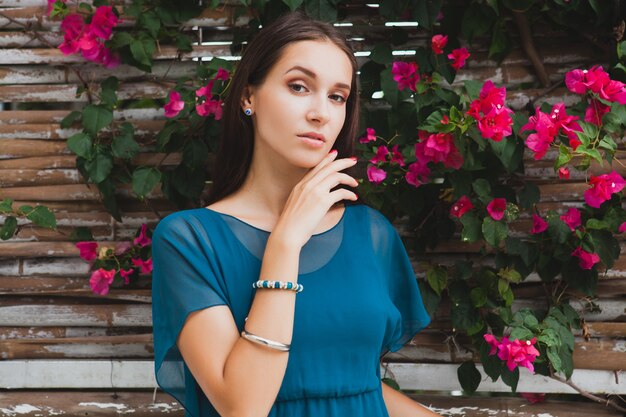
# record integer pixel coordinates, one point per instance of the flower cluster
(375, 174)
(438, 42)
(547, 127)
(492, 116)
(514, 352)
(597, 83)
(458, 57)
(123, 252)
(88, 38)
(405, 74)
(205, 104)
(602, 187)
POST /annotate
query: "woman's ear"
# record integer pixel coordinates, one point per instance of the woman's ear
(247, 98)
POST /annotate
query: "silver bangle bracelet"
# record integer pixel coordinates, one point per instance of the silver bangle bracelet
(265, 342)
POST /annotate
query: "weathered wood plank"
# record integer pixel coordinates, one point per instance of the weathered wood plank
(104, 315)
(85, 374)
(28, 403)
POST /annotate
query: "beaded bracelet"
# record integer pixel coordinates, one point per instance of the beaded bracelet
(278, 285)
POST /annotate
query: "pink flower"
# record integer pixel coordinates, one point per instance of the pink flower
(438, 42)
(595, 111)
(208, 107)
(533, 397)
(88, 250)
(381, 155)
(563, 122)
(462, 206)
(175, 105)
(622, 228)
(581, 81)
(101, 279)
(445, 120)
(103, 22)
(614, 91)
(370, 136)
(572, 218)
(574, 143)
(417, 173)
(496, 124)
(458, 57)
(539, 225)
(122, 247)
(146, 266)
(546, 131)
(438, 147)
(515, 353)
(396, 156)
(206, 90)
(222, 74)
(375, 175)
(563, 173)
(405, 74)
(493, 342)
(586, 260)
(142, 239)
(126, 274)
(496, 208)
(602, 187)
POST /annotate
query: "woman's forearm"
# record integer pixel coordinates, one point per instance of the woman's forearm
(400, 405)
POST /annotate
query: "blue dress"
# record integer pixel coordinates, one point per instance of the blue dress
(360, 300)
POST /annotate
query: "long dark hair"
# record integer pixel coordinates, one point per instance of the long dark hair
(234, 154)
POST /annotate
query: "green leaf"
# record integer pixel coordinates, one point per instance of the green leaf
(492, 365)
(606, 246)
(390, 87)
(482, 187)
(151, 21)
(425, 12)
(80, 144)
(42, 216)
(529, 195)
(558, 230)
(469, 377)
(494, 231)
(108, 89)
(565, 155)
(321, 10)
(429, 297)
(293, 4)
(124, 145)
(96, 117)
(6, 205)
(511, 378)
(554, 358)
(437, 278)
(472, 228)
(510, 275)
(381, 54)
(99, 167)
(608, 143)
(142, 50)
(478, 297)
(521, 333)
(70, 119)
(477, 21)
(8, 228)
(473, 88)
(144, 180)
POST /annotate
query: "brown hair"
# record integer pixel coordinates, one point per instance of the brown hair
(237, 139)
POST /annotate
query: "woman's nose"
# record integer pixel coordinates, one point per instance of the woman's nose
(319, 110)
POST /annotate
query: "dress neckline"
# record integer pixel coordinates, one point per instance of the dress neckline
(336, 225)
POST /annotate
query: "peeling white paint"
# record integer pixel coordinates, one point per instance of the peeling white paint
(19, 409)
(104, 405)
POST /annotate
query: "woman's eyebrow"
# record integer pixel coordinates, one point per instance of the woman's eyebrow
(313, 75)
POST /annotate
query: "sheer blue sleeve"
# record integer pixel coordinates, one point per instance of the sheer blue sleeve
(402, 284)
(185, 278)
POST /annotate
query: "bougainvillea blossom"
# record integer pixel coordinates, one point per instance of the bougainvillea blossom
(572, 218)
(586, 260)
(174, 105)
(405, 74)
(100, 280)
(370, 136)
(438, 42)
(539, 225)
(602, 187)
(375, 175)
(462, 206)
(458, 57)
(496, 208)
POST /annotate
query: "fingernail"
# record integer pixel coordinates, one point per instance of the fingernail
(333, 151)
(354, 158)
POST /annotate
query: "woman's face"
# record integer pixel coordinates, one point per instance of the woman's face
(304, 93)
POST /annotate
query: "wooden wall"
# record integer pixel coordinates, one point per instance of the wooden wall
(64, 348)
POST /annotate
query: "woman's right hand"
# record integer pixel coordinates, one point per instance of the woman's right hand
(311, 198)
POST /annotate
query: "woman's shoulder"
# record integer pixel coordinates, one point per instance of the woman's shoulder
(178, 222)
(371, 215)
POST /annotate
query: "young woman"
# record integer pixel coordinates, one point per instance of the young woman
(280, 210)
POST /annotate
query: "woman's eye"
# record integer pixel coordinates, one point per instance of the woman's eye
(341, 99)
(296, 85)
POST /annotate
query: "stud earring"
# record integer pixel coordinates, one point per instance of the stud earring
(248, 111)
